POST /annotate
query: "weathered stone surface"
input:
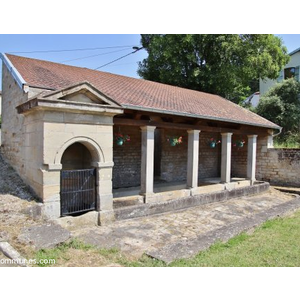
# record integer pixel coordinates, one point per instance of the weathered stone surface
(44, 236)
(186, 202)
(11, 253)
(187, 249)
(149, 234)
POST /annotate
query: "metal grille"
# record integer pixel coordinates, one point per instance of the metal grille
(78, 191)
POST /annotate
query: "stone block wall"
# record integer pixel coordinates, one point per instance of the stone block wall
(127, 158)
(209, 158)
(239, 157)
(12, 123)
(173, 158)
(173, 161)
(278, 166)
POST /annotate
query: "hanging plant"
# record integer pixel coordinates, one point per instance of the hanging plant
(213, 143)
(239, 143)
(174, 140)
(121, 138)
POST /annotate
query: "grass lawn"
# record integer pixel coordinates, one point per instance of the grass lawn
(275, 244)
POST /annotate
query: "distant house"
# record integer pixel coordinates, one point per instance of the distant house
(290, 70)
(253, 99)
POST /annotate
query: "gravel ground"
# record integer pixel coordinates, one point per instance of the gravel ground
(15, 202)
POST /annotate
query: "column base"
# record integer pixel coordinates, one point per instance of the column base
(149, 197)
(51, 209)
(106, 217)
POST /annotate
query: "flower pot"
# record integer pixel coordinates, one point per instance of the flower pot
(120, 142)
(173, 143)
(240, 145)
(212, 144)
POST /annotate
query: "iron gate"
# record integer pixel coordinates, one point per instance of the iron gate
(77, 191)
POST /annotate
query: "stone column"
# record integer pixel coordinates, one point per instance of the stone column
(251, 158)
(104, 186)
(104, 193)
(226, 157)
(147, 164)
(193, 158)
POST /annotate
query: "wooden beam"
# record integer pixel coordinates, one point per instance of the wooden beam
(178, 126)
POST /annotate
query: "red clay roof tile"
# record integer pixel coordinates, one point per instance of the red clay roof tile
(138, 93)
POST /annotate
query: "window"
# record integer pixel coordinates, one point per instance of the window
(289, 73)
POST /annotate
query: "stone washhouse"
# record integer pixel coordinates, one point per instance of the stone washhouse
(85, 140)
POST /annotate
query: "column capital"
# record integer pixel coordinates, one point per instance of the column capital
(226, 133)
(252, 136)
(193, 131)
(148, 128)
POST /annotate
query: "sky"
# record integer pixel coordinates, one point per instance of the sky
(121, 45)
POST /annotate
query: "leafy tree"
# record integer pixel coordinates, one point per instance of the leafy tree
(281, 105)
(224, 64)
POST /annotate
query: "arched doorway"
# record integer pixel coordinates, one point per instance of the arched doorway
(78, 181)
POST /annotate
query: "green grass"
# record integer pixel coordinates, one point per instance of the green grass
(60, 251)
(276, 243)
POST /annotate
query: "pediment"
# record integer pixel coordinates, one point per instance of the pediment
(82, 92)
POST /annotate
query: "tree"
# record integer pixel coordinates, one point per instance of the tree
(281, 105)
(223, 64)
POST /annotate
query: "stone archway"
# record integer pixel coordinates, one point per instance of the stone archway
(77, 181)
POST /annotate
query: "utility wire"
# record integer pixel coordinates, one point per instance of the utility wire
(79, 58)
(136, 50)
(70, 50)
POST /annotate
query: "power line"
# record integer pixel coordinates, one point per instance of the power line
(136, 50)
(71, 50)
(84, 57)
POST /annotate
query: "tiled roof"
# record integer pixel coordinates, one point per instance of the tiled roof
(136, 93)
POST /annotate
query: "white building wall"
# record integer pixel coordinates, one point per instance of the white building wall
(265, 85)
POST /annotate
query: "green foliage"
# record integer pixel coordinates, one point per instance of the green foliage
(291, 140)
(224, 64)
(281, 105)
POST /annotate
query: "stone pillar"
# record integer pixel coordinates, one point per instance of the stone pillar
(251, 158)
(147, 164)
(226, 157)
(104, 193)
(193, 158)
(104, 186)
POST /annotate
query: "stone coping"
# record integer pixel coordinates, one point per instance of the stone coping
(147, 209)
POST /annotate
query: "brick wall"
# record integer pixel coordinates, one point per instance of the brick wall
(278, 166)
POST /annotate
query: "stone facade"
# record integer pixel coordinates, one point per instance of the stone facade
(278, 166)
(127, 158)
(35, 140)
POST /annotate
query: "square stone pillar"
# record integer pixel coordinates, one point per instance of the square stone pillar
(226, 157)
(104, 185)
(251, 158)
(147, 164)
(193, 158)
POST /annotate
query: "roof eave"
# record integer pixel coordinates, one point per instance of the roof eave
(148, 109)
(14, 72)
